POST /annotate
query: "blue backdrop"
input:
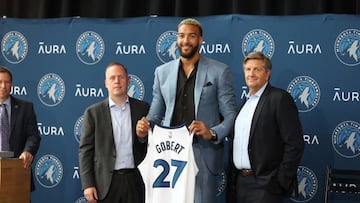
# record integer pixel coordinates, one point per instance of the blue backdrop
(59, 65)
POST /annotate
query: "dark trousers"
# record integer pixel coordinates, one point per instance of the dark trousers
(126, 187)
(249, 189)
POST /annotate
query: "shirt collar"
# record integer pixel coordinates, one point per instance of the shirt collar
(113, 104)
(259, 92)
(7, 101)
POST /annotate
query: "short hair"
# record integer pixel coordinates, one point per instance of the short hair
(6, 70)
(116, 64)
(192, 21)
(260, 56)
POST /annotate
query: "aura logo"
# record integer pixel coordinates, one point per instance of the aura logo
(214, 48)
(49, 49)
(296, 48)
(51, 89)
(346, 139)
(88, 91)
(14, 47)
(49, 171)
(166, 46)
(90, 48)
(305, 91)
(346, 95)
(18, 90)
(81, 200)
(260, 41)
(132, 49)
(221, 183)
(48, 130)
(77, 128)
(347, 47)
(307, 184)
(136, 87)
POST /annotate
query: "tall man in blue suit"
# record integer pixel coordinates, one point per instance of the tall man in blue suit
(196, 91)
(23, 136)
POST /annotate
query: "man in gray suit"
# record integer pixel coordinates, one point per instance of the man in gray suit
(198, 92)
(109, 149)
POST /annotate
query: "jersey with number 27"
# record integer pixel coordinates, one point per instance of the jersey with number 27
(169, 168)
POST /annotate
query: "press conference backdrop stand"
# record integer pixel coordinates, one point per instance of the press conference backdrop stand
(14, 181)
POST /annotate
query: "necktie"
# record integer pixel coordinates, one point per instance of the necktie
(5, 129)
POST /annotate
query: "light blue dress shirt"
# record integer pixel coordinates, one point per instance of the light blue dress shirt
(242, 130)
(121, 122)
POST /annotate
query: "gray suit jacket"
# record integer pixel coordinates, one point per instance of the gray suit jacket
(97, 151)
(215, 103)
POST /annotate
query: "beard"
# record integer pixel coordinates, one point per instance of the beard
(189, 54)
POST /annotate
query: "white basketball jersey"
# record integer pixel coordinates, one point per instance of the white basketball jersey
(169, 168)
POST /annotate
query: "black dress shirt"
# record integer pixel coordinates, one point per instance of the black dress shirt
(184, 111)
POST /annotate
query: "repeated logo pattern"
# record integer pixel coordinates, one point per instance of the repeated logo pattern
(64, 73)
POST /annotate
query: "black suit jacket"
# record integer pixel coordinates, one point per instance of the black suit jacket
(24, 130)
(97, 151)
(276, 142)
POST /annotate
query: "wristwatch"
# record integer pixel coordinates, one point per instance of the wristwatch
(213, 135)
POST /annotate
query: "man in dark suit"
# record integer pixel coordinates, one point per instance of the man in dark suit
(23, 138)
(268, 138)
(109, 149)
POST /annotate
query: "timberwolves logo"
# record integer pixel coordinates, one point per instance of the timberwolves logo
(90, 48)
(51, 89)
(258, 40)
(307, 184)
(14, 47)
(166, 46)
(221, 183)
(305, 91)
(49, 171)
(78, 128)
(81, 200)
(136, 87)
(346, 139)
(347, 47)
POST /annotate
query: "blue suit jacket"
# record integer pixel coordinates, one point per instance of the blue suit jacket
(214, 100)
(24, 130)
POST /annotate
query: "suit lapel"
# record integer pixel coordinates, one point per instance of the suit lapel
(134, 114)
(14, 112)
(201, 73)
(106, 110)
(259, 108)
(172, 83)
(107, 119)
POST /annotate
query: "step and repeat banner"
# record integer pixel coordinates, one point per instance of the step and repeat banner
(59, 65)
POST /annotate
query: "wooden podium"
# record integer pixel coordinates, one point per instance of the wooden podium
(14, 181)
